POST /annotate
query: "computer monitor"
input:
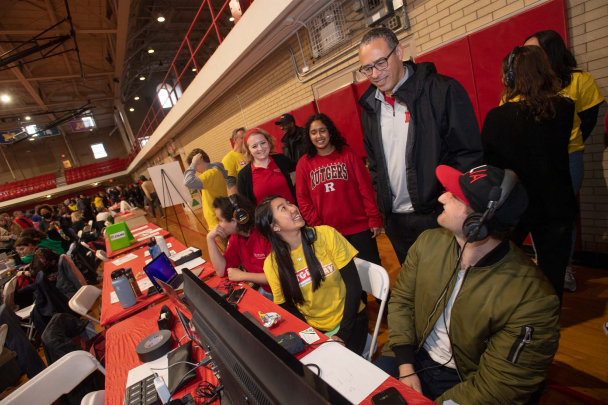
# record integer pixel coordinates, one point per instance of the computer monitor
(162, 269)
(251, 364)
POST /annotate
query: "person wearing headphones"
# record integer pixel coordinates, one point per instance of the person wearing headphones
(529, 134)
(312, 273)
(471, 318)
(330, 174)
(236, 216)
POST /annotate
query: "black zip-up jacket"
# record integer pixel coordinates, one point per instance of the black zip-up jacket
(443, 130)
(293, 145)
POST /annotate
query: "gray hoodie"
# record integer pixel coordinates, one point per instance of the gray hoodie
(193, 182)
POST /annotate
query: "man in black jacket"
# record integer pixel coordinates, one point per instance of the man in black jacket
(414, 120)
(292, 143)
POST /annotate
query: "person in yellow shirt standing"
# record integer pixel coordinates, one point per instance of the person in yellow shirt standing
(234, 161)
(208, 177)
(312, 273)
(581, 87)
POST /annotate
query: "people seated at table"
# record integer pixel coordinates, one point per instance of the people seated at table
(268, 172)
(312, 273)
(529, 134)
(6, 237)
(208, 177)
(330, 174)
(246, 247)
(42, 240)
(502, 314)
(20, 222)
(51, 226)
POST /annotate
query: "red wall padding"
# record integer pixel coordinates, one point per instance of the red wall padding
(302, 113)
(455, 61)
(341, 107)
(476, 60)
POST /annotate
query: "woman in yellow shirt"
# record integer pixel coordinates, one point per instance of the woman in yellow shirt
(581, 87)
(312, 273)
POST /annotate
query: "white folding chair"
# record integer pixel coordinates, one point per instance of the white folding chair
(101, 255)
(84, 299)
(87, 228)
(80, 234)
(375, 281)
(91, 222)
(94, 398)
(3, 334)
(9, 292)
(25, 315)
(59, 378)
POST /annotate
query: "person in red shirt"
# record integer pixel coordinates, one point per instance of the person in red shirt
(246, 246)
(334, 188)
(266, 174)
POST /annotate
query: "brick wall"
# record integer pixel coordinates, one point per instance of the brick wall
(272, 87)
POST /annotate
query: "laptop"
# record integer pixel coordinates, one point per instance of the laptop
(162, 269)
(177, 300)
(188, 328)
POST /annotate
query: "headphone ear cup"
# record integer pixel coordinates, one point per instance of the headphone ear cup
(241, 217)
(510, 78)
(472, 230)
(310, 235)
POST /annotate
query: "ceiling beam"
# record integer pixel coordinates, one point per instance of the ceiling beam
(29, 31)
(52, 78)
(121, 42)
(81, 101)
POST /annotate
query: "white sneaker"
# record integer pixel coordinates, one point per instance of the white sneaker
(569, 281)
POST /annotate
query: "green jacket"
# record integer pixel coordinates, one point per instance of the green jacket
(504, 325)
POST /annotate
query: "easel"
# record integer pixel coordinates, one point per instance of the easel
(165, 188)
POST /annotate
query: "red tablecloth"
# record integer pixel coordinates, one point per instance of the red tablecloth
(111, 313)
(124, 337)
(137, 243)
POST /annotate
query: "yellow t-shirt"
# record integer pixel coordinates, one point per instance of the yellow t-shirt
(214, 185)
(586, 94)
(324, 308)
(234, 162)
(98, 202)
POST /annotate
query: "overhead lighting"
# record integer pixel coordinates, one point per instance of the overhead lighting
(194, 69)
(160, 18)
(136, 98)
(142, 78)
(96, 184)
(231, 19)
(5, 98)
(49, 196)
(32, 139)
(28, 118)
(131, 109)
(150, 50)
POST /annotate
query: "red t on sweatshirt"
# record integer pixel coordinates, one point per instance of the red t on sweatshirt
(336, 190)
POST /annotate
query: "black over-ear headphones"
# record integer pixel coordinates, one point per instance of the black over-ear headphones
(475, 226)
(510, 75)
(310, 234)
(241, 216)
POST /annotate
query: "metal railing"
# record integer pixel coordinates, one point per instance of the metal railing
(174, 83)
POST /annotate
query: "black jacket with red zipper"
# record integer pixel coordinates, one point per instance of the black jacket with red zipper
(443, 130)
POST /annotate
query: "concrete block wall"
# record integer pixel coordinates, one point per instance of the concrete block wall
(272, 87)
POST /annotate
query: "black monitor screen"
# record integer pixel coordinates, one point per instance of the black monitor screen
(253, 367)
(162, 269)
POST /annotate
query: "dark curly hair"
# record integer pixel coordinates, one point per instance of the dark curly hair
(335, 138)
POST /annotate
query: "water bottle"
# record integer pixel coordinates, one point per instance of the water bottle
(153, 248)
(123, 289)
(160, 242)
(132, 281)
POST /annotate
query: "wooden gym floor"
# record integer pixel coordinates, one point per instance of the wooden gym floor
(579, 374)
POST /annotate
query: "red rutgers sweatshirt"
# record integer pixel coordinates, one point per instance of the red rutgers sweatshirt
(336, 190)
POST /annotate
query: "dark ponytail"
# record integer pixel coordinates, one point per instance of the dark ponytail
(264, 220)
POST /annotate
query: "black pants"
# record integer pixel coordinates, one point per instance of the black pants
(552, 241)
(358, 337)
(434, 381)
(366, 245)
(155, 202)
(403, 230)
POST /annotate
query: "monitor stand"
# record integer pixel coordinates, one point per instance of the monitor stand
(152, 291)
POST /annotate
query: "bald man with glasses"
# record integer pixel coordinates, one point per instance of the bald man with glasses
(414, 120)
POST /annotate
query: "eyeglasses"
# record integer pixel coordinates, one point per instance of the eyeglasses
(380, 64)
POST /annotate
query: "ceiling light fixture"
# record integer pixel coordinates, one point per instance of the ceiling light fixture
(231, 19)
(150, 50)
(194, 69)
(32, 139)
(49, 196)
(5, 98)
(142, 78)
(28, 118)
(136, 98)
(160, 18)
(131, 109)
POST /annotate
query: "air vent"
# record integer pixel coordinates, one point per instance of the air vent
(326, 29)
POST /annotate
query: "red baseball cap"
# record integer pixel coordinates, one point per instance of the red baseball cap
(450, 178)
